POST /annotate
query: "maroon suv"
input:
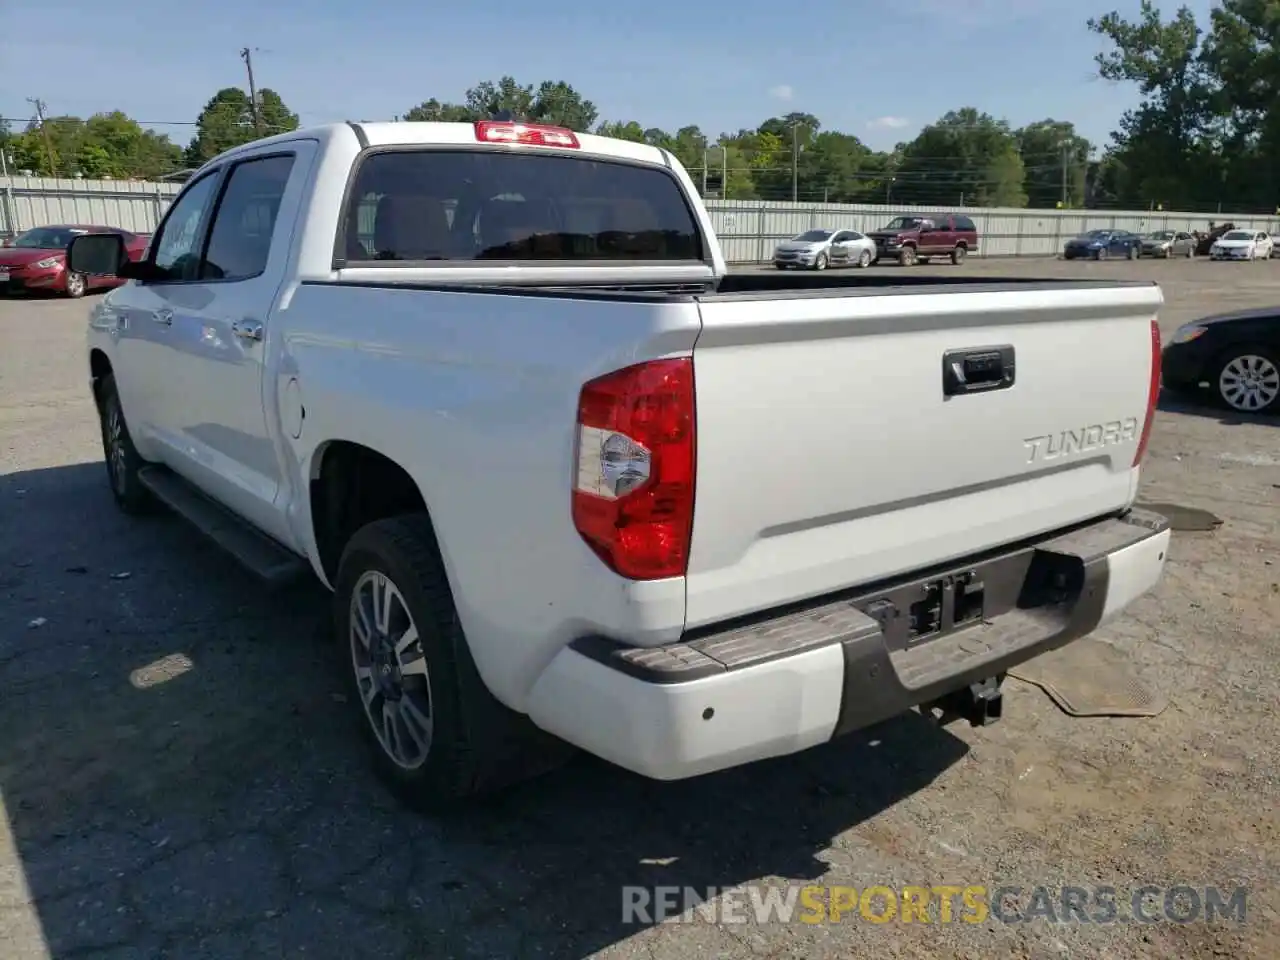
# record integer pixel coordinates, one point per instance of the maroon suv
(915, 239)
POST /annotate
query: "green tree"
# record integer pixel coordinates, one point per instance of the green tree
(1171, 145)
(1054, 156)
(227, 121)
(966, 157)
(433, 111)
(622, 130)
(105, 145)
(1242, 51)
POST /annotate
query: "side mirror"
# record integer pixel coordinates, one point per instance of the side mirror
(97, 254)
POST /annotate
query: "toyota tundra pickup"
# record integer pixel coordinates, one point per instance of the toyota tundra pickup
(573, 483)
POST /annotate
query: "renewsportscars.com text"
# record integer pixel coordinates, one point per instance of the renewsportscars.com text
(941, 903)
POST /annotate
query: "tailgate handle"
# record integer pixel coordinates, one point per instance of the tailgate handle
(977, 370)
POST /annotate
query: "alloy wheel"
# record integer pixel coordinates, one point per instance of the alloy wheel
(1249, 383)
(391, 670)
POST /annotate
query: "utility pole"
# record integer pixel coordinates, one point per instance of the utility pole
(1066, 146)
(247, 57)
(795, 160)
(44, 132)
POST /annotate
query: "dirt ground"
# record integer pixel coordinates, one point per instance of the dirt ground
(179, 780)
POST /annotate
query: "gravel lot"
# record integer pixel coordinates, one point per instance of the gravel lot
(178, 780)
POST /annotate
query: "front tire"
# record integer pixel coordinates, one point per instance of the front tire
(75, 285)
(821, 262)
(1248, 380)
(437, 736)
(907, 257)
(122, 458)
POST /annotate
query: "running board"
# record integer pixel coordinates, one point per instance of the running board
(256, 552)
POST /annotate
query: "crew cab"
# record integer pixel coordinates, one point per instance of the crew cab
(573, 484)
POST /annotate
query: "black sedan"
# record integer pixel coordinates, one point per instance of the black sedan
(1236, 355)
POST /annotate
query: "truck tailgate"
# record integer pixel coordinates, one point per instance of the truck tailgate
(829, 453)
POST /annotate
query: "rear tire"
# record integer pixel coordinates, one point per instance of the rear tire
(958, 254)
(473, 744)
(122, 459)
(1133, 253)
(864, 259)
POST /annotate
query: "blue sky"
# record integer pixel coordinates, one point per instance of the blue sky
(876, 70)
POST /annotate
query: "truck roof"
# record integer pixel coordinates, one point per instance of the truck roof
(405, 133)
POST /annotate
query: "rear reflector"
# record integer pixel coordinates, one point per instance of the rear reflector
(634, 483)
(1153, 394)
(505, 131)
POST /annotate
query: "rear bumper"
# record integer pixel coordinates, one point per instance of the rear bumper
(794, 679)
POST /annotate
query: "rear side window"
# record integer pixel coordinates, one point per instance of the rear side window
(412, 206)
(964, 223)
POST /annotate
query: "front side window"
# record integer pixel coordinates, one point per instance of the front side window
(178, 245)
(467, 205)
(240, 240)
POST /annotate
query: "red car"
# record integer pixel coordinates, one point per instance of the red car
(37, 260)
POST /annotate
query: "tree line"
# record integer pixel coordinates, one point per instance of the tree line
(1207, 135)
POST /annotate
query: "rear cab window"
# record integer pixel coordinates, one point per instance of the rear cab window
(407, 206)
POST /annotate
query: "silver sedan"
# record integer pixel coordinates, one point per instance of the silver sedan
(819, 249)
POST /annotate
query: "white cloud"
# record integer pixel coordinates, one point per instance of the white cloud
(781, 92)
(888, 123)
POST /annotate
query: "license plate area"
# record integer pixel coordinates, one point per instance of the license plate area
(938, 606)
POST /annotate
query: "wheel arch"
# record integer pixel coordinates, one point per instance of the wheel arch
(350, 484)
(99, 368)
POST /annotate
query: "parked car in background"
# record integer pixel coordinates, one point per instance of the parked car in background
(1242, 245)
(1275, 244)
(1205, 241)
(1103, 244)
(1236, 355)
(818, 249)
(915, 239)
(36, 260)
(1169, 243)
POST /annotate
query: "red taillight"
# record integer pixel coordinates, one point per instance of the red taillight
(633, 492)
(1153, 394)
(537, 134)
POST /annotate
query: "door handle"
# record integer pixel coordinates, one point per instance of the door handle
(977, 370)
(247, 329)
(163, 316)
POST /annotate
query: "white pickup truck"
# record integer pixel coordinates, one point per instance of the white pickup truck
(571, 481)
